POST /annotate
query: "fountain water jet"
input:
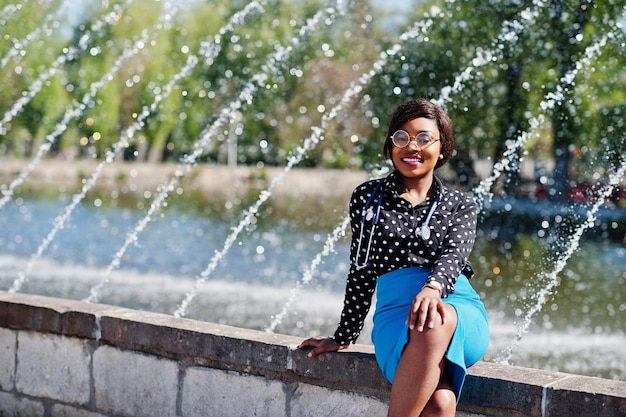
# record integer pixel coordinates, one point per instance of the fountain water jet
(209, 50)
(251, 212)
(70, 114)
(549, 280)
(59, 222)
(19, 46)
(307, 276)
(55, 68)
(482, 191)
(200, 147)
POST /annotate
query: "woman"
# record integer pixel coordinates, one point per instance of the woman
(411, 238)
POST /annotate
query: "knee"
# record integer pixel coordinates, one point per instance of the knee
(439, 336)
(441, 404)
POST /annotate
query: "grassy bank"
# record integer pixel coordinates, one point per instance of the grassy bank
(217, 191)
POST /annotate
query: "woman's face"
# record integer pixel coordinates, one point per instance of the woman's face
(414, 161)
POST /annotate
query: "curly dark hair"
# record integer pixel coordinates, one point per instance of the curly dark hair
(417, 108)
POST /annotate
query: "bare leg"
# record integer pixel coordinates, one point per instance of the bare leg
(442, 403)
(421, 367)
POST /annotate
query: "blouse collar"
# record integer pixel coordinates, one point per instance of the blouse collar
(389, 185)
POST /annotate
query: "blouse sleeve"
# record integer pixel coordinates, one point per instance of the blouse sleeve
(457, 245)
(361, 282)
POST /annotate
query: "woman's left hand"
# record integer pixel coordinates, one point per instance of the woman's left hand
(425, 309)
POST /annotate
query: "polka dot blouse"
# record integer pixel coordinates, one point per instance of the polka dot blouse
(395, 244)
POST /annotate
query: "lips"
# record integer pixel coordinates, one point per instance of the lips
(412, 159)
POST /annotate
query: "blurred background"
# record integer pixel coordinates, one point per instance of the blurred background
(195, 157)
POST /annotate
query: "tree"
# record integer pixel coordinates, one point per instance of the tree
(534, 50)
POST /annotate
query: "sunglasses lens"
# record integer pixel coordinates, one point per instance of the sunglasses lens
(400, 138)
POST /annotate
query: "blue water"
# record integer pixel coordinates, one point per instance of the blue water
(176, 243)
(257, 275)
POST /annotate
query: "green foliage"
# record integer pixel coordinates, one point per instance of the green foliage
(119, 69)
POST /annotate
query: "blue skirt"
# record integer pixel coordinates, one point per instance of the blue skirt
(395, 292)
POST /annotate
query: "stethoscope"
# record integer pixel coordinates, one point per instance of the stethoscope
(369, 214)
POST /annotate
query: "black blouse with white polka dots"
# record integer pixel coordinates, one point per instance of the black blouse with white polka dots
(395, 244)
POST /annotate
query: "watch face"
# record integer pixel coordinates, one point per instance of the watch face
(436, 284)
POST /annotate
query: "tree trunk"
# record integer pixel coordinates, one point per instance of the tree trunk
(509, 129)
(563, 117)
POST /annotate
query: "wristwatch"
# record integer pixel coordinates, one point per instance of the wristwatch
(435, 285)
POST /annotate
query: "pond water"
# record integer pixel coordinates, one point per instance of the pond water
(580, 328)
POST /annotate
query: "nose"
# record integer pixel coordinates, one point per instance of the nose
(413, 143)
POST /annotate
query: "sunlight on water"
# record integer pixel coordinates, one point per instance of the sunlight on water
(276, 270)
(549, 280)
(210, 49)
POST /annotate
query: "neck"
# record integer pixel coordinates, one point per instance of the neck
(415, 190)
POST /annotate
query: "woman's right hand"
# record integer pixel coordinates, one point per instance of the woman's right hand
(321, 345)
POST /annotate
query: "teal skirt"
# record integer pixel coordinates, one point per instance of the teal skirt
(395, 292)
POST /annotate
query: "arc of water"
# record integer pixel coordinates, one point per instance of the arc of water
(307, 276)
(19, 46)
(211, 46)
(550, 279)
(7, 11)
(209, 49)
(59, 222)
(72, 113)
(509, 34)
(54, 68)
(246, 95)
(309, 143)
(482, 192)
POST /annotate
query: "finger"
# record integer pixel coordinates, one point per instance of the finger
(306, 343)
(422, 317)
(443, 312)
(326, 346)
(409, 319)
(312, 342)
(313, 353)
(432, 314)
(412, 316)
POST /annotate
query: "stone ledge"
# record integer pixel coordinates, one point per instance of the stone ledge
(491, 389)
(543, 393)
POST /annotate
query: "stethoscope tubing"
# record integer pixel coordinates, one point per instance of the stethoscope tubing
(421, 232)
(366, 209)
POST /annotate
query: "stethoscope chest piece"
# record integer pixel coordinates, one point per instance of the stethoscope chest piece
(423, 231)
